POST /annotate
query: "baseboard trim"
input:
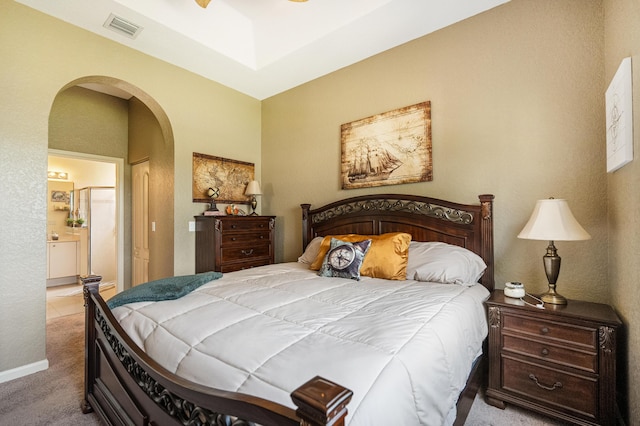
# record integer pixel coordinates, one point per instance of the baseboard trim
(25, 370)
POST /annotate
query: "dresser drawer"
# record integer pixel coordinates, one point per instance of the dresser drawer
(562, 333)
(243, 225)
(245, 252)
(238, 265)
(228, 238)
(583, 360)
(572, 393)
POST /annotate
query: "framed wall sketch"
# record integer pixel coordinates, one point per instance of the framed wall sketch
(60, 197)
(619, 107)
(388, 149)
(229, 176)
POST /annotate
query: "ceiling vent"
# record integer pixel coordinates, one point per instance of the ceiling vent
(122, 26)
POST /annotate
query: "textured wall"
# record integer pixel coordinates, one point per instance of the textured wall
(200, 115)
(517, 106)
(622, 39)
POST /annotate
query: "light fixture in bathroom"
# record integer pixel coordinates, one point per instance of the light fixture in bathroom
(57, 175)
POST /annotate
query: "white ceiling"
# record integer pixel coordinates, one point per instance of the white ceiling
(264, 47)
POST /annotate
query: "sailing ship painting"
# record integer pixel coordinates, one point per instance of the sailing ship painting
(388, 149)
(372, 163)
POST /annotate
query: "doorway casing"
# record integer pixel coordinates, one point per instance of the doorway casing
(119, 163)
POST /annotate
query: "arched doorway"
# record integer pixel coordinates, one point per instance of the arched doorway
(98, 115)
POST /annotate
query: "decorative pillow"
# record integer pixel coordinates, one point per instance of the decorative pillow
(311, 252)
(163, 289)
(387, 256)
(444, 263)
(344, 259)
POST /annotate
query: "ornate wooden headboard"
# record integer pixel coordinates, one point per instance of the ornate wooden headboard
(426, 219)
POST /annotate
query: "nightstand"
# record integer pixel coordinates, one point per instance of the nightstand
(559, 361)
(231, 243)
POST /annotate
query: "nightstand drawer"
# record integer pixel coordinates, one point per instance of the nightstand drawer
(582, 360)
(561, 333)
(228, 238)
(567, 392)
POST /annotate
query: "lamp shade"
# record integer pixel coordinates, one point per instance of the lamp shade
(552, 220)
(253, 188)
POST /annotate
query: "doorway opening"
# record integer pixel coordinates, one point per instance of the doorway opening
(89, 224)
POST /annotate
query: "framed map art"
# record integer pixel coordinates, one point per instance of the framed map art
(229, 176)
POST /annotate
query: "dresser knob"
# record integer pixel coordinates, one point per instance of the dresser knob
(233, 238)
(234, 226)
(544, 330)
(545, 351)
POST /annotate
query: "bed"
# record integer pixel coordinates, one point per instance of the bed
(331, 348)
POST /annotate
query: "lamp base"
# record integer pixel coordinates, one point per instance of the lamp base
(553, 298)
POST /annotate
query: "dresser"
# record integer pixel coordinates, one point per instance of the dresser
(231, 243)
(559, 361)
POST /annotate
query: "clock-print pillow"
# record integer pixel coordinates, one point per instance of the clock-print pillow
(344, 259)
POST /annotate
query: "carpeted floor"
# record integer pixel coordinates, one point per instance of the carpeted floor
(52, 397)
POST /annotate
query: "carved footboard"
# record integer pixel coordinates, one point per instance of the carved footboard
(125, 387)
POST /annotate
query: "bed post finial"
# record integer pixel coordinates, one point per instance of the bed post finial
(306, 237)
(321, 402)
(486, 228)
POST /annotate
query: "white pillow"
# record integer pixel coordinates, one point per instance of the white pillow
(311, 252)
(443, 263)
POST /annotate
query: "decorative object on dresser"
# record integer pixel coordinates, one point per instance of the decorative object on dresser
(552, 220)
(213, 193)
(231, 243)
(559, 361)
(253, 189)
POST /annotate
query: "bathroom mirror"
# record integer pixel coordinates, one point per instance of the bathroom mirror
(59, 206)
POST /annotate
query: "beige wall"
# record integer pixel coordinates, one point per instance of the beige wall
(516, 101)
(203, 117)
(622, 39)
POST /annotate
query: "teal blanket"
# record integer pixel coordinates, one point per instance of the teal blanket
(163, 289)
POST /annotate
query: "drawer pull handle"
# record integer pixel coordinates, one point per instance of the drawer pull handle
(545, 351)
(556, 385)
(247, 252)
(234, 226)
(544, 330)
(233, 239)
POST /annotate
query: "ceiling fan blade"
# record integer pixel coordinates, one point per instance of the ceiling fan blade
(203, 3)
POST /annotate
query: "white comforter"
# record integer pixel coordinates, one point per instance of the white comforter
(405, 348)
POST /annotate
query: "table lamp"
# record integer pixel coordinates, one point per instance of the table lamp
(552, 220)
(253, 189)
